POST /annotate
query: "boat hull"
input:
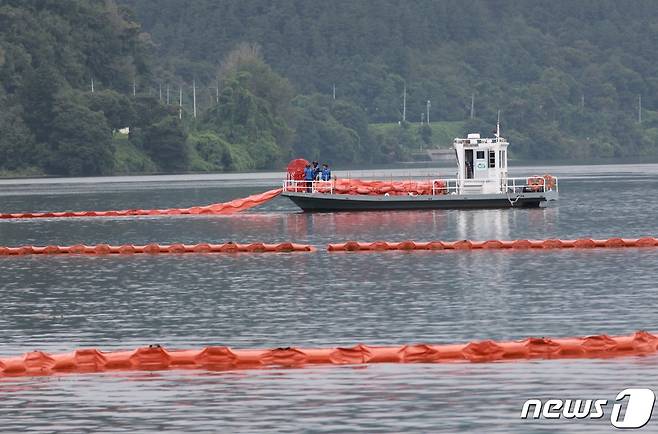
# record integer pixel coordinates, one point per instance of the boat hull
(322, 202)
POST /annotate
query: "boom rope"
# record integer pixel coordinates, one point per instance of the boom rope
(155, 357)
(217, 208)
(127, 249)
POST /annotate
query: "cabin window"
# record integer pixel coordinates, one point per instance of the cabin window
(492, 158)
(479, 155)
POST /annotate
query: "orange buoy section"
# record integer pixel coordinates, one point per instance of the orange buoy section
(155, 357)
(494, 244)
(217, 208)
(126, 249)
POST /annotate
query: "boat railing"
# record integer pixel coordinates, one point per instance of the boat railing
(445, 186)
(301, 186)
(536, 184)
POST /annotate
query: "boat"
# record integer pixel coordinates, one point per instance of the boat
(481, 182)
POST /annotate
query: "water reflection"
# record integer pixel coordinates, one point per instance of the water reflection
(59, 303)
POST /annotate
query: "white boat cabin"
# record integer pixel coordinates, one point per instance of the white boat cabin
(481, 164)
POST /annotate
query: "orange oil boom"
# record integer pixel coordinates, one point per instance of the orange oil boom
(582, 243)
(155, 357)
(127, 249)
(217, 208)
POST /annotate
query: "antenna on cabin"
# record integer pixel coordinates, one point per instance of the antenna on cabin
(498, 125)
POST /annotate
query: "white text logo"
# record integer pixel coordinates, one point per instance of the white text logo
(636, 410)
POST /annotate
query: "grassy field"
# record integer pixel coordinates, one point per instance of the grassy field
(443, 133)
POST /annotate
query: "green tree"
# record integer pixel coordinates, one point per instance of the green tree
(213, 152)
(18, 149)
(165, 143)
(118, 109)
(38, 96)
(80, 141)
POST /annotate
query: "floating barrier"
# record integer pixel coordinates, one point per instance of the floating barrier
(217, 208)
(155, 357)
(348, 246)
(582, 243)
(128, 249)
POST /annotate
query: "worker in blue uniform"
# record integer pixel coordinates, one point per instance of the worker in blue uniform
(316, 171)
(309, 176)
(325, 175)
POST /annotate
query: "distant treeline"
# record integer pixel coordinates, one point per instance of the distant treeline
(571, 78)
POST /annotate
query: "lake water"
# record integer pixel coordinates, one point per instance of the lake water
(58, 304)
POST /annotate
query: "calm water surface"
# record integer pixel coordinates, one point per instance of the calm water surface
(61, 303)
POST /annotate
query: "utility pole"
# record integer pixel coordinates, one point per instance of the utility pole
(334, 87)
(639, 109)
(92, 84)
(429, 104)
(472, 105)
(180, 102)
(167, 93)
(194, 97)
(404, 103)
(582, 102)
(160, 89)
(217, 93)
(134, 87)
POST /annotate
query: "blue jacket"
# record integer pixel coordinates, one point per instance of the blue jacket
(309, 174)
(326, 174)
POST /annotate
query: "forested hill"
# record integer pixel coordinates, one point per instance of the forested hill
(567, 76)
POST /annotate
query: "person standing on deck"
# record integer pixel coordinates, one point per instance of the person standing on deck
(309, 176)
(325, 175)
(316, 171)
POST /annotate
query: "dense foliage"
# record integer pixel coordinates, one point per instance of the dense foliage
(50, 51)
(566, 75)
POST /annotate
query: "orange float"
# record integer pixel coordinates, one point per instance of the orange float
(127, 249)
(536, 183)
(582, 243)
(217, 208)
(550, 181)
(155, 357)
